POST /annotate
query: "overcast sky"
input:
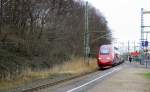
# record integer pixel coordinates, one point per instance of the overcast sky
(123, 16)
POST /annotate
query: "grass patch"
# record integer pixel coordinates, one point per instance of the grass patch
(147, 75)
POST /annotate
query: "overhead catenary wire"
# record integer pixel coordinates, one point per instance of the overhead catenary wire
(104, 36)
(5, 3)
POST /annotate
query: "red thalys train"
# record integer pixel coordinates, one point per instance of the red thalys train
(108, 56)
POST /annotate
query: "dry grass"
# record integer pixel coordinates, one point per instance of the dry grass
(74, 67)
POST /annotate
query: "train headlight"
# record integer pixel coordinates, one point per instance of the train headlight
(108, 58)
(99, 58)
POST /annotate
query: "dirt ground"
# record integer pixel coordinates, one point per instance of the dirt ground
(131, 79)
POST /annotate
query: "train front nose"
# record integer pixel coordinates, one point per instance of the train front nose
(104, 61)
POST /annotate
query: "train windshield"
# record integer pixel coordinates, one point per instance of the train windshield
(104, 50)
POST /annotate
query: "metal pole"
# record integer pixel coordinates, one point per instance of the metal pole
(142, 30)
(142, 34)
(146, 51)
(142, 25)
(146, 57)
(86, 35)
(1, 16)
(134, 47)
(128, 47)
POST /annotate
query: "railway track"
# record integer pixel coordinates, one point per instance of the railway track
(55, 83)
(61, 81)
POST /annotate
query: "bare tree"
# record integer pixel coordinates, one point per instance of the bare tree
(46, 33)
